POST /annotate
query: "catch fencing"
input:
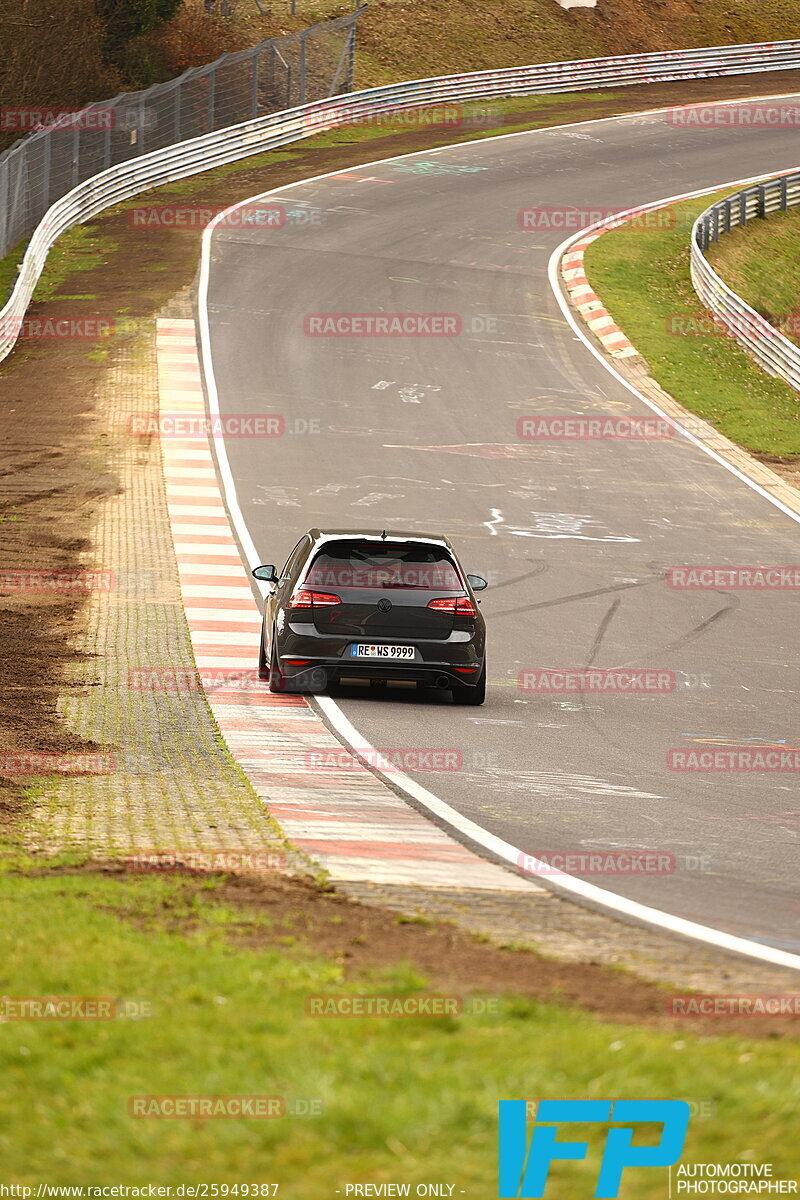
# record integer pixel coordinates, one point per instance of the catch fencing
(278, 74)
(152, 164)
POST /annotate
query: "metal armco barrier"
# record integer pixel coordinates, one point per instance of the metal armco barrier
(121, 182)
(768, 346)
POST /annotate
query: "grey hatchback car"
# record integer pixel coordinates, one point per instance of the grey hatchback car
(378, 606)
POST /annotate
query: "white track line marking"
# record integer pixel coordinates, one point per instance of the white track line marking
(587, 892)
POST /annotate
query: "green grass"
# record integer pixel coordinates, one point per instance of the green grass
(759, 261)
(404, 1099)
(643, 279)
(8, 270)
(82, 248)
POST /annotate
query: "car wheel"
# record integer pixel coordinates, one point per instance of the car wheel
(476, 694)
(277, 680)
(263, 670)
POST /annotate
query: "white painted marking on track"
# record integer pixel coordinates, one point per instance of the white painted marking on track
(560, 526)
(496, 519)
(600, 897)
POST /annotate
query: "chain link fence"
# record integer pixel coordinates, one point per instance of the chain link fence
(71, 147)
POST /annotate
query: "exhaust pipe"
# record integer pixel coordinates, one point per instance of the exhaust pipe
(442, 681)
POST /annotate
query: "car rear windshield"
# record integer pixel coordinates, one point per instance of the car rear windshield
(384, 565)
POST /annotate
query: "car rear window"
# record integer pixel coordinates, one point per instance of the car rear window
(384, 565)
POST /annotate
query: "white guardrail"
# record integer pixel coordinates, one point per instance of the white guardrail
(771, 349)
(199, 154)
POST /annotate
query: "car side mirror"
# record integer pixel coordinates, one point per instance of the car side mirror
(267, 574)
(477, 582)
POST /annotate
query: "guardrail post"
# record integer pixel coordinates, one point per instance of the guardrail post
(784, 186)
(140, 122)
(76, 155)
(728, 211)
(212, 88)
(743, 209)
(254, 86)
(302, 99)
(762, 200)
(351, 55)
(5, 210)
(48, 150)
(715, 224)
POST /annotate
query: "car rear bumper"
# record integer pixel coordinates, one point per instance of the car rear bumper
(454, 662)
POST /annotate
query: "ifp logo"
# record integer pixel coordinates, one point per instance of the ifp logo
(524, 1168)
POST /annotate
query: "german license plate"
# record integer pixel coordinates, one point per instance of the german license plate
(361, 650)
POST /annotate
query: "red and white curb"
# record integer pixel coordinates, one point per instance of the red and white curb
(341, 815)
(588, 304)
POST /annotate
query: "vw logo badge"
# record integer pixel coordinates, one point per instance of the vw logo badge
(384, 605)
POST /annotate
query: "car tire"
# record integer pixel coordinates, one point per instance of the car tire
(263, 669)
(474, 694)
(277, 680)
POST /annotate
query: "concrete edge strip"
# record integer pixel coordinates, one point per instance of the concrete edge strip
(324, 798)
(586, 893)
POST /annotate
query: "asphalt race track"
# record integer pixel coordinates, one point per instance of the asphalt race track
(574, 536)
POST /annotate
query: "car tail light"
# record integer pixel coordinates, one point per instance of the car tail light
(462, 606)
(306, 599)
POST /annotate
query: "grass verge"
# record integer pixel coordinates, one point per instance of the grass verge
(759, 261)
(643, 278)
(217, 1003)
